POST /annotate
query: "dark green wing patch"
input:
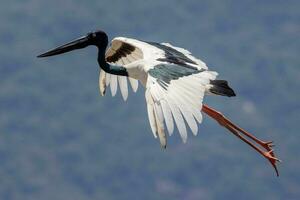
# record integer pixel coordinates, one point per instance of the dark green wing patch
(166, 73)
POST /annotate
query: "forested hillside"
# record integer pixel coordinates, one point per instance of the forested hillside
(59, 139)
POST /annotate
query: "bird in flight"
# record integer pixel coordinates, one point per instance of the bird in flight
(174, 80)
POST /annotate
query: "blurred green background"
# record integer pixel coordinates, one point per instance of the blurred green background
(59, 139)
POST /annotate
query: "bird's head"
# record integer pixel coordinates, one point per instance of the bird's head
(97, 38)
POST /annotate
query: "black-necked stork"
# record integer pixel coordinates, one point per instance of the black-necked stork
(175, 83)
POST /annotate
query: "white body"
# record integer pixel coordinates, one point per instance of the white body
(181, 100)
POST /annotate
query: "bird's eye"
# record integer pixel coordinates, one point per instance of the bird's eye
(92, 35)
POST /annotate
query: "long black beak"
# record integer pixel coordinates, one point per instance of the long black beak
(79, 43)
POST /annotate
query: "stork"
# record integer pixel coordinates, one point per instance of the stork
(174, 80)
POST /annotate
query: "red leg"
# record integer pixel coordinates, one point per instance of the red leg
(237, 131)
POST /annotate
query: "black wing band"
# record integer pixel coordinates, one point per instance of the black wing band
(172, 55)
(124, 50)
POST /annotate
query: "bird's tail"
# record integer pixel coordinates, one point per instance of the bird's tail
(221, 87)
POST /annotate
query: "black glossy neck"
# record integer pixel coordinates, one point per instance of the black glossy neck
(111, 69)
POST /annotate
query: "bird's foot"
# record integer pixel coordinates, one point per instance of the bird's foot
(267, 145)
(269, 155)
(251, 141)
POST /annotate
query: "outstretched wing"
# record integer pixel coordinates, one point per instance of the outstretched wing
(176, 92)
(121, 52)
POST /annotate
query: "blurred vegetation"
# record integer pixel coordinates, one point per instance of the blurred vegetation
(60, 140)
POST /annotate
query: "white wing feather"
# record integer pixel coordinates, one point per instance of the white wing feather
(107, 81)
(182, 99)
(134, 84)
(123, 86)
(102, 82)
(168, 116)
(113, 84)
